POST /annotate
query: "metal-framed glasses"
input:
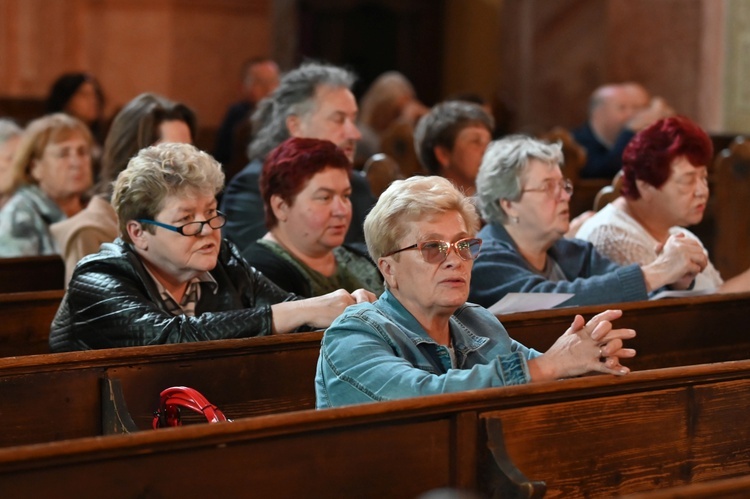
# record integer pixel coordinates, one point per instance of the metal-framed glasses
(437, 251)
(191, 228)
(553, 188)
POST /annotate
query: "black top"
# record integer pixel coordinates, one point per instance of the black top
(113, 302)
(601, 161)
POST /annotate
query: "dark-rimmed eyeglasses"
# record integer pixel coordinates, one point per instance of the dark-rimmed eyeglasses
(553, 188)
(191, 228)
(437, 251)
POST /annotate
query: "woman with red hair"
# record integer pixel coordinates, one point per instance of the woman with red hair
(664, 189)
(305, 188)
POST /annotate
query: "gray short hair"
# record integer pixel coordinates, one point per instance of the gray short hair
(441, 126)
(410, 200)
(295, 96)
(503, 164)
(159, 171)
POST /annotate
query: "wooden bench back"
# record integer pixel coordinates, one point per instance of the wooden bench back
(25, 320)
(731, 183)
(726, 488)
(671, 332)
(31, 273)
(588, 437)
(243, 377)
(276, 374)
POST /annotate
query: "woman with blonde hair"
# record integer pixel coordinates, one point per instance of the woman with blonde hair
(421, 337)
(147, 119)
(51, 175)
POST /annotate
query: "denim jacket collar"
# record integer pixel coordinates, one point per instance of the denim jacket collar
(464, 341)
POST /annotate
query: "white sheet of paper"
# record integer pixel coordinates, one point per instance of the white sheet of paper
(669, 293)
(524, 302)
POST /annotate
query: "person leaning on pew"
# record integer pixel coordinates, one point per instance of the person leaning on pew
(421, 337)
(525, 200)
(664, 189)
(170, 277)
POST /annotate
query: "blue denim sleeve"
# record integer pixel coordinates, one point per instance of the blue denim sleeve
(365, 359)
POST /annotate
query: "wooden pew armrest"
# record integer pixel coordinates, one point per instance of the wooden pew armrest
(116, 418)
(507, 479)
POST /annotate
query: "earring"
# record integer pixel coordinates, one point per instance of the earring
(515, 220)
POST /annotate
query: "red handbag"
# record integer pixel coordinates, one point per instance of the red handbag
(172, 399)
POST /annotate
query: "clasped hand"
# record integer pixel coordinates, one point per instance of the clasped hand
(593, 346)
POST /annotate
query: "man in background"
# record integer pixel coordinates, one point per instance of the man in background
(616, 113)
(260, 77)
(312, 101)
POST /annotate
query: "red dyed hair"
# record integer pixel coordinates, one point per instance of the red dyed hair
(290, 166)
(649, 155)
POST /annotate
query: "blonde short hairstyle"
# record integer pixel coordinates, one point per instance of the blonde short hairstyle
(411, 200)
(40, 133)
(158, 172)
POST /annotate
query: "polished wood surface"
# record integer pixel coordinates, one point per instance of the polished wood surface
(595, 436)
(31, 273)
(267, 375)
(25, 320)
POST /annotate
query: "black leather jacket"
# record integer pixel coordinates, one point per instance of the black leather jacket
(113, 302)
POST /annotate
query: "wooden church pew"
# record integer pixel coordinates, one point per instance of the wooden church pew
(275, 374)
(31, 273)
(587, 437)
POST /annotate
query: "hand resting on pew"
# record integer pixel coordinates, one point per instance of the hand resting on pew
(317, 312)
(170, 277)
(585, 347)
(421, 337)
(665, 188)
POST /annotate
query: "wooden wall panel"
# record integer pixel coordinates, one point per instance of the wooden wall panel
(189, 50)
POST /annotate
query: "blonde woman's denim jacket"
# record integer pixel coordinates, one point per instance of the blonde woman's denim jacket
(378, 351)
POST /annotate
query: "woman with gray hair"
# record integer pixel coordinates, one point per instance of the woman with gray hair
(421, 337)
(524, 198)
(170, 278)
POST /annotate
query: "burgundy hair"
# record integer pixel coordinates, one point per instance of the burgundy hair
(649, 155)
(290, 166)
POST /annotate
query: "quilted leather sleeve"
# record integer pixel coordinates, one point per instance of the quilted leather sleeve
(111, 302)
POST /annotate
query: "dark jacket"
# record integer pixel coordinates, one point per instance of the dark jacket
(113, 302)
(601, 161)
(592, 278)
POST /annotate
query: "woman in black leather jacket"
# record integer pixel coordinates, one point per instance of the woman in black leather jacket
(170, 278)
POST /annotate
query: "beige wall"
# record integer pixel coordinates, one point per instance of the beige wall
(188, 50)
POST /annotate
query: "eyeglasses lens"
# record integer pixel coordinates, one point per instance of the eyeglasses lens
(437, 251)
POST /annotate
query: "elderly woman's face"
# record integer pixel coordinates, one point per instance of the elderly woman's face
(542, 210)
(178, 258)
(427, 288)
(317, 220)
(64, 170)
(683, 197)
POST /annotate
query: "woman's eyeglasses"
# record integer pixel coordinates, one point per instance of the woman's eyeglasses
(191, 228)
(437, 251)
(553, 188)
